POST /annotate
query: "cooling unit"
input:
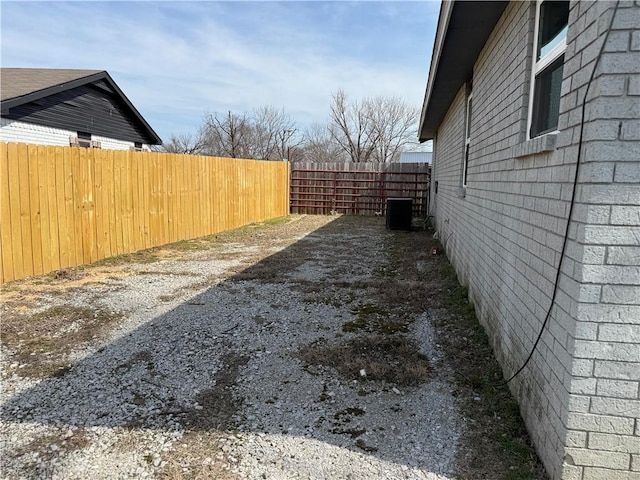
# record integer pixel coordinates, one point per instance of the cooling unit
(399, 213)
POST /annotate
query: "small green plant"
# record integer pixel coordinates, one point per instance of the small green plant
(277, 221)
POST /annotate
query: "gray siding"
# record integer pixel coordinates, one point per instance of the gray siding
(92, 108)
(579, 396)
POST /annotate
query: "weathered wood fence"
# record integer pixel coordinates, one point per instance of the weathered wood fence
(357, 188)
(62, 207)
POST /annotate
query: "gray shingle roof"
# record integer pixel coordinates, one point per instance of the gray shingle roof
(17, 82)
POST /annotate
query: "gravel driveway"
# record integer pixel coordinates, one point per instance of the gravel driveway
(299, 349)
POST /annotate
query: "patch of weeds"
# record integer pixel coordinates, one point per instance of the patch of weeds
(50, 446)
(343, 417)
(354, 325)
(362, 445)
(143, 256)
(499, 424)
(43, 341)
(66, 274)
(394, 359)
(210, 281)
(277, 221)
(219, 404)
(61, 372)
(167, 298)
(497, 443)
(167, 273)
(352, 432)
(196, 456)
(324, 396)
(329, 296)
(384, 271)
(192, 245)
(143, 357)
(373, 318)
(345, 414)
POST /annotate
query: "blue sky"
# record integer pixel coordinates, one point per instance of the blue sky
(177, 60)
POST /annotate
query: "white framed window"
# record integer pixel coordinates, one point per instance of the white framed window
(467, 138)
(550, 44)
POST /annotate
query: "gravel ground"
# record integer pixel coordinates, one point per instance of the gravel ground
(199, 373)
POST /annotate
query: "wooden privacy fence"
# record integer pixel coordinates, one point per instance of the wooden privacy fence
(64, 206)
(357, 188)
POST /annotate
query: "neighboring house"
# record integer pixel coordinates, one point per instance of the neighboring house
(70, 107)
(415, 157)
(505, 106)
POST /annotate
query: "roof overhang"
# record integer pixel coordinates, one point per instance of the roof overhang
(463, 29)
(45, 92)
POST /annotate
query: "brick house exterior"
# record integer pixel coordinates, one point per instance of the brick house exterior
(503, 183)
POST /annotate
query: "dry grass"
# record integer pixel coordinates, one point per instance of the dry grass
(42, 445)
(393, 359)
(220, 405)
(496, 445)
(373, 318)
(197, 456)
(42, 342)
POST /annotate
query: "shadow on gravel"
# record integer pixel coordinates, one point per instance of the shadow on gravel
(236, 357)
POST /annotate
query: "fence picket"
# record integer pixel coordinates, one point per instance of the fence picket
(54, 251)
(357, 188)
(8, 270)
(67, 206)
(35, 226)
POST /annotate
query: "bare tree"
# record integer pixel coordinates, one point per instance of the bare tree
(272, 132)
(319, 146)
(226, 134)
(265, 134)
(186, 143)
(374, 129)
(394, 123)
(371, 130)
(351, 127)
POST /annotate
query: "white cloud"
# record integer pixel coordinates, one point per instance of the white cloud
(176, 60)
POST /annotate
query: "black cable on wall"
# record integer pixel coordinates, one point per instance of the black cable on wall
(572, 204)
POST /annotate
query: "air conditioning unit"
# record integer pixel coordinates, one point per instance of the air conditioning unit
(95, 144)
(399, 213)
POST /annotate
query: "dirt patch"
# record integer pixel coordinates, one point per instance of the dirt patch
(219, 406)
(48, 447)
(42, 342)
(393, 359)
(374, 318)
(198, 456)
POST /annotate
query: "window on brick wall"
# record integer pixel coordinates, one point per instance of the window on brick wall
(467, 138)
(550, 41)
